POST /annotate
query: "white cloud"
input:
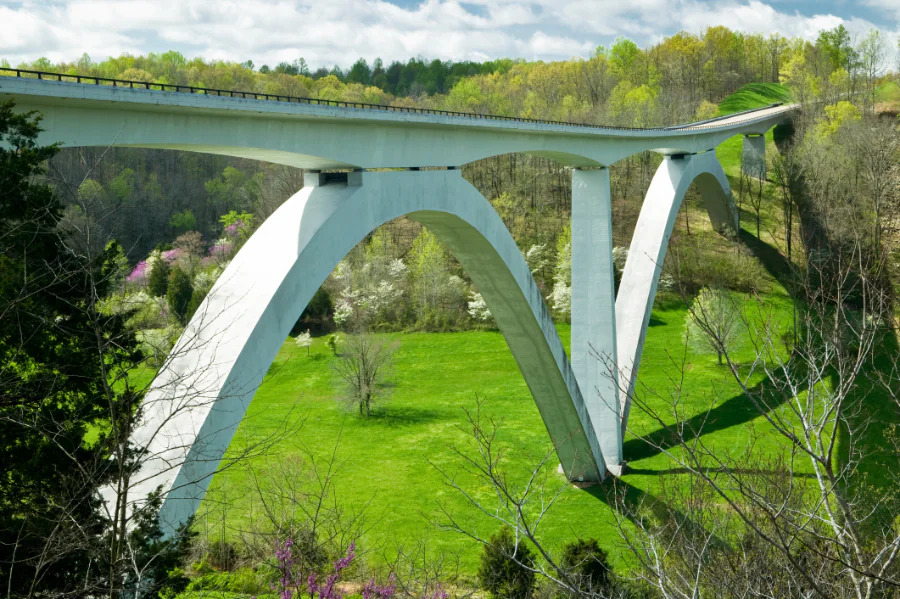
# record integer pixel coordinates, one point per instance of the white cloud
(340, 31)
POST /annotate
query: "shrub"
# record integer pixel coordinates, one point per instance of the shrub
(504, 571)
(587, 563)
(179, 293)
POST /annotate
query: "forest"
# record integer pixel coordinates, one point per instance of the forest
(108, 252)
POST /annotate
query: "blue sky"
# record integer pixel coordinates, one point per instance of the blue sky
(328, 32)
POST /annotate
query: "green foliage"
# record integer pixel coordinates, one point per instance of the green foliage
(694, 266)
(198, 294)
(585, 561)
(158, 281)
(504, 571)
(184, 220)
(53, 385)
(234, 190)
(332, 343)
(242, 219)
(242, 581)
(837, 46)
(179, 294)
(836, 116)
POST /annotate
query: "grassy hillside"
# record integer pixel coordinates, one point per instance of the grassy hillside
(889, 92)
(754, 95)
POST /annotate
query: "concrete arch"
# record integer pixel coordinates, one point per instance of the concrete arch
(199, 398)
(640, 278)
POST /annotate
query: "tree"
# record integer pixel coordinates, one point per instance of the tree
(872, 53)
(506, 569)
(304, 340)
(520, 498)
(363, 368)
(183, 220)
(360, 73)
(588, 565)
(715, 319)
(63, 374)
(43, 382)
(158, 281)
(179, 293)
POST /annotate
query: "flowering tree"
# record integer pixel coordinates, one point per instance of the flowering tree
(304, 340)
(561, 296)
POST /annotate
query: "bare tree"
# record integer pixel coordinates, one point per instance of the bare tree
(363, 367)
(714, 318)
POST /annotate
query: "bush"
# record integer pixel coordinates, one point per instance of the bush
(179, 293)
(587, 563)
(503, 572)
(245, 581)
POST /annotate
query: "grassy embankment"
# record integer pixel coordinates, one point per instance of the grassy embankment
(389, 461)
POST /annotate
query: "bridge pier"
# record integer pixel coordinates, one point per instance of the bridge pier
(753, 159)
(593, 347)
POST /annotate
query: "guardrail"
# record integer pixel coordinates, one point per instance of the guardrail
(248, 95)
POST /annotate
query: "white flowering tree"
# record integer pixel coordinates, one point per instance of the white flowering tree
(561, 296)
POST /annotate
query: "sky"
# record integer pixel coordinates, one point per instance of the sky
(338, 32)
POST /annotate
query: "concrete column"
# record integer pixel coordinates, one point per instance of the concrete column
(593, 346)
(754, 156)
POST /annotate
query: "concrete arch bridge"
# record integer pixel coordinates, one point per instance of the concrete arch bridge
(199, 397)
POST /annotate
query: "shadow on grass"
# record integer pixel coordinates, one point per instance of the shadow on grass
(771, 259)
(633, 503)
(735, 410)
(406, 416)
(652, 472)
(656, 322)
(731, 412)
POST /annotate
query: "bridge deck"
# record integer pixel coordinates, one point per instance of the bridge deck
(311, 133)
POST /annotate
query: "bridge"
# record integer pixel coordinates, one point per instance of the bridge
(366, 165)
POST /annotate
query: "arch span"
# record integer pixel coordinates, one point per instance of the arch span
(199, 398)
(647, 252)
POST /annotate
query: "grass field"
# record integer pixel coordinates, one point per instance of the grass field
(390, 461)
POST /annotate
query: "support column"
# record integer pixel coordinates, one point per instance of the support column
(754, 155)
(593, 346)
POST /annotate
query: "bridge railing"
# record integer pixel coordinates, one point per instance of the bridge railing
(251, 95)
